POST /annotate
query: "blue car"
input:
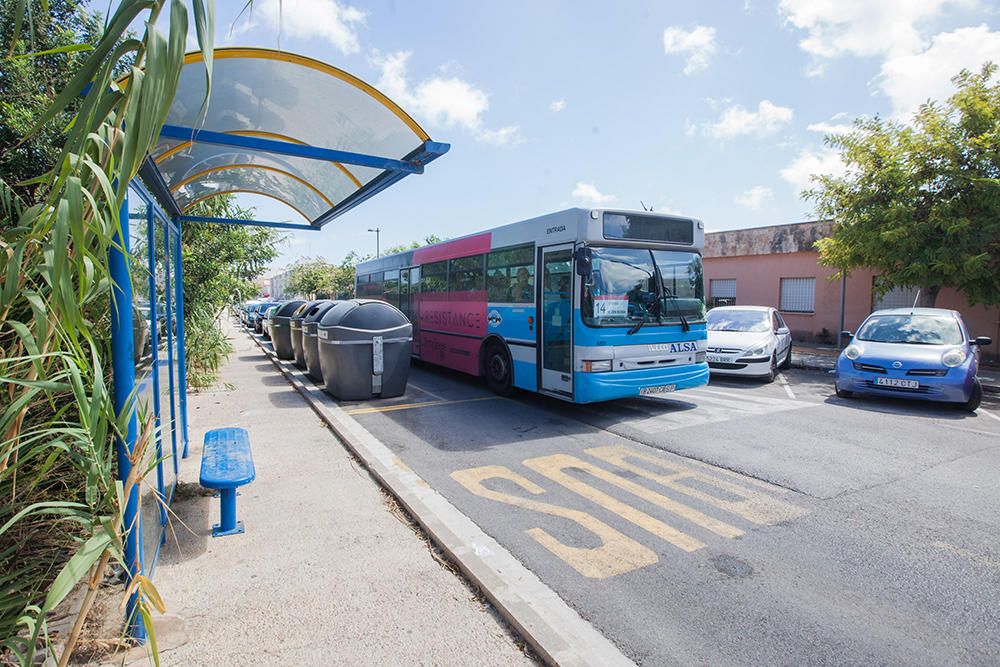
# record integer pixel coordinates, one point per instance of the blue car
(921, 353)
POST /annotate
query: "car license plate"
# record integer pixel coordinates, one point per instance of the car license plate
(662, 389)
(717, 359)
(897, 382)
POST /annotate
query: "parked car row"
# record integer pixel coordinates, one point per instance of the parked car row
(926, 354)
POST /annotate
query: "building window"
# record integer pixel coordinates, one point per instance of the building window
(722, 292)
(897, 297)
(798, 295)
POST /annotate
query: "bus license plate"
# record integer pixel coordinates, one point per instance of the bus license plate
(897, 382)
(662, 389)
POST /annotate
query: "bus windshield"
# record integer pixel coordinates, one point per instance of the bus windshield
(632, 285)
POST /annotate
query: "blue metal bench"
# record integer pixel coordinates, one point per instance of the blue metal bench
(225, 465)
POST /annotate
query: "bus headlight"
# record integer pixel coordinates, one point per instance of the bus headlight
(598, 366)
(953, 358)
(853, 352)
(699, 357)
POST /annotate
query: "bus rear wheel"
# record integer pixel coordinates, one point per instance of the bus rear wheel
(499, 369)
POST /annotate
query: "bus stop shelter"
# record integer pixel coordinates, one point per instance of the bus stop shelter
(276, 124)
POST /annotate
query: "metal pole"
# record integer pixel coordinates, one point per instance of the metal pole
(123, 376)
(378, 232)
(181, 359)
(843, 305)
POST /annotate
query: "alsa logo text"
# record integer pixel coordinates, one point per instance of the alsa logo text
(687, 346)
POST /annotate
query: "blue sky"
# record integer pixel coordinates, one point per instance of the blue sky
(713, 109)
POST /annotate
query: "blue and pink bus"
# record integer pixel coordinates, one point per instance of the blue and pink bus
(584, 304)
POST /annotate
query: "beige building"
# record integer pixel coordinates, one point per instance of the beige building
(777, 266)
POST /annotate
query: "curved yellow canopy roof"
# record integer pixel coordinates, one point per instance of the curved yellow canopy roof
(275, 124)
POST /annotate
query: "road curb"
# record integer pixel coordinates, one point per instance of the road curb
(557, 633)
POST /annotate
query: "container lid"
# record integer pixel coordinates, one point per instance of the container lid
(287, 308)
(365, 314)
(315, 314)
(301, 311)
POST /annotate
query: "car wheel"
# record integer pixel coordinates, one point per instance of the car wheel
(975, 398)
(499, 370)
(772, 371)
(842, 393)
(787, 363)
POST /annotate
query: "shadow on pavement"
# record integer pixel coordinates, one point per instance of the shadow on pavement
(902, 406)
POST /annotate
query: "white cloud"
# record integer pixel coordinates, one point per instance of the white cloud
(737, 120)
(864, 27)
(755, 197)
(443, 100)
(557, 106)
(307, 19)
(809, 162)
(507, 135)
(909, 80)
(832, 126)
(588, 192)
(697, 46)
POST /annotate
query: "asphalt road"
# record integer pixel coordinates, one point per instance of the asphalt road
(734, 524)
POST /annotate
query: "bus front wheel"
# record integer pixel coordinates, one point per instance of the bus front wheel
(499, 370)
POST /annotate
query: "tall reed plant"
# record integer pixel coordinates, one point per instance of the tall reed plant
(61, 504)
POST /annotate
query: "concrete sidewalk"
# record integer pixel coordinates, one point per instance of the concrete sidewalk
(824, 358)
(325, 573)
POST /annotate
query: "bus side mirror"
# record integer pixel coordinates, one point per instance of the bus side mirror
(584, 257)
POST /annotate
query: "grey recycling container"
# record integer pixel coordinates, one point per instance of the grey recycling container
(298, 357)
(281, 332)
(364, 349)
(310, 347)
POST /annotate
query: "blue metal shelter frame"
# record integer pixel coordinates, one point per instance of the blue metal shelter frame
(164, 218)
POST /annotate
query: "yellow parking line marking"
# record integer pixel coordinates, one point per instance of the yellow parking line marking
(788, 389)
(425, 404)
(616, 554)
(752, 505)
(989, 414)
(554, 467)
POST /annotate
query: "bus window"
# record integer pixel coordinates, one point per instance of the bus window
(404, 291)
(498, 285)
(390, 288)
(466, 274)
(374, 286)
(434, 277)
(512, 275)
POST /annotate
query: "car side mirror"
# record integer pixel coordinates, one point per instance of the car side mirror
(781, 331)
(584, 257)
(847, 334)
(983, 341)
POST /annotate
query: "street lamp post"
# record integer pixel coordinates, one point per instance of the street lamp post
(378, 231)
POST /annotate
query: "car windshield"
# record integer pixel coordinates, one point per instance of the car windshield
(911, 329)
(755, 321)
(622, 288)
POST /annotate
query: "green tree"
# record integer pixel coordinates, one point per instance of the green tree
(920, 203)
(311, 277)
(50, 49)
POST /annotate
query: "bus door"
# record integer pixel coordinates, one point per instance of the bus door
(555, 317)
